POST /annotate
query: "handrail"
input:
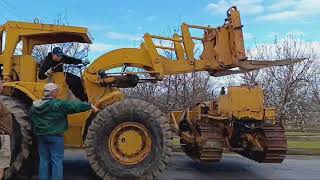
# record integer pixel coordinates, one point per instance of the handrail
(167, 48)
(165, 38)
(200, 27)
(192, 37)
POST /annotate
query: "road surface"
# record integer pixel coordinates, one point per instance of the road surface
(232, 166)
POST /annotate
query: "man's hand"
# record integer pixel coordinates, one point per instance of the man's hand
(48, 72)
(85, 62)
(94, 108)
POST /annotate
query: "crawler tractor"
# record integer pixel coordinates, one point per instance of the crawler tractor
(130, 138)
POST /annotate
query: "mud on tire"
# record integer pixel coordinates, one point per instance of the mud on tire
(129, 110)
(21, 138)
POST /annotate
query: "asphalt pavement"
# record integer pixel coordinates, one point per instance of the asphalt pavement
(231, 167)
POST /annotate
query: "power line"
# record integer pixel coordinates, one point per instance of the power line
(9, 8)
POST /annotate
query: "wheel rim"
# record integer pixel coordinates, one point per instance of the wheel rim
(129, 143)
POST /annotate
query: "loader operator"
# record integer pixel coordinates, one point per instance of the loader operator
(54, 63)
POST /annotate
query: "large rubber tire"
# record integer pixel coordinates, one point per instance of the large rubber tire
(21, 138)
(129, 110)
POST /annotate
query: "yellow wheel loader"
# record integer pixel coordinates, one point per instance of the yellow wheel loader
(130, 138)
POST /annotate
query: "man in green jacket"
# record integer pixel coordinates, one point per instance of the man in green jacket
(49, 121)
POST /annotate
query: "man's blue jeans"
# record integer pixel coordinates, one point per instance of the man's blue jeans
(51, 152)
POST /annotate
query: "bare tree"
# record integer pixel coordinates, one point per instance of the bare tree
(175, 92)
(288, 88)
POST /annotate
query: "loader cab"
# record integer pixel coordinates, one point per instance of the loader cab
(22, 68)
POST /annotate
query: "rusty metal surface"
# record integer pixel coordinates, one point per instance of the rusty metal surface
(211, 147)
(274, 145)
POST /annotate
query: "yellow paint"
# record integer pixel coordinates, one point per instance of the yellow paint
(244, 102)
(31, 89)
(59, 79)
(195, 114)
(110, 98)
(77, 122)
(270, 114)
(129, 143)
(26, 67)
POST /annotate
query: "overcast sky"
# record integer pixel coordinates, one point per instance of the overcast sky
(116, 24)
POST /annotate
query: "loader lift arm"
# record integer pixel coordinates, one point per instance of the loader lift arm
(223, 49)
